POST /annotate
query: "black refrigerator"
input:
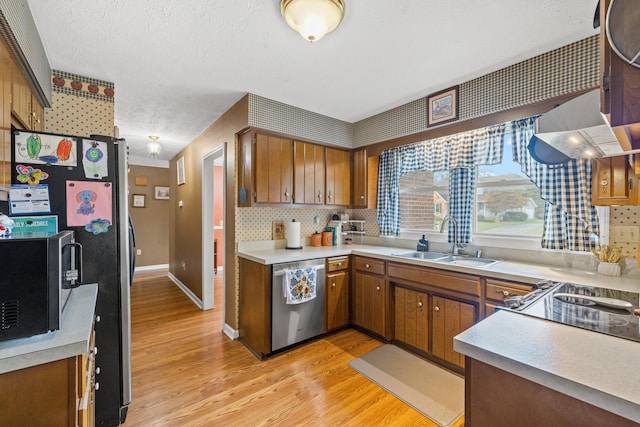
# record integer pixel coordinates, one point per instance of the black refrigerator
(86, 181)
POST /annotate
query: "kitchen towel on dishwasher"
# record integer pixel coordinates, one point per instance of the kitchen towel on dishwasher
(300, 285)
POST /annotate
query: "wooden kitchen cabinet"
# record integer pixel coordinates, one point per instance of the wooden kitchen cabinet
(58, 393)
(20, 97)
(365, 180)
(496, 291)
(308, 168)
(495, 397)
(449, 318)
(337, 177)
(614, 181)
(360, 179)
(337, 293)
(255, 306)
(411, 317)
(5, 118)
(370, 294)
(273, 169)
(37, 115)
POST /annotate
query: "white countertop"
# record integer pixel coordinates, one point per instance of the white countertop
(593, 367)
(70, 340)
(599, 369)
(508, 270)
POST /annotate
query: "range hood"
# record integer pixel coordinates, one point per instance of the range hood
(574, 130)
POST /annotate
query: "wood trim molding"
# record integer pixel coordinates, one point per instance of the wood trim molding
(374, 150)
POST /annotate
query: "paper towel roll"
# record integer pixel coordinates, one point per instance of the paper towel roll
(292, 234)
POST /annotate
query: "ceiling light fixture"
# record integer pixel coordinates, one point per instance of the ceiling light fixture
(312, 18)
(153, 147)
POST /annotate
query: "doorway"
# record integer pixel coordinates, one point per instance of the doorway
(213, 211)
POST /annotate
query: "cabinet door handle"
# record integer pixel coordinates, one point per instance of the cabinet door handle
(419, 303)
(362, 197)
(329, 196)
(367, 265)
(377, 288)
(319, 196)
(436, 308)
(286, 194)
(339, 264)
(333, 285)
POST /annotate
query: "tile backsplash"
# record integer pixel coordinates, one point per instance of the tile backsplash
(255, 224)
(624, 215)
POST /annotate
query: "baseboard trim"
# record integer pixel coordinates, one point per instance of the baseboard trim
(197, 301)
(230, 332)
(152, 267)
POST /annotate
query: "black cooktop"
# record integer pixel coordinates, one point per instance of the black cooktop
(587, 314)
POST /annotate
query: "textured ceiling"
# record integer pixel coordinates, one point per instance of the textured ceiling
(178, 65)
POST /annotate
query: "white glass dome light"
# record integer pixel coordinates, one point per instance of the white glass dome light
(153, 146)
(313, 19)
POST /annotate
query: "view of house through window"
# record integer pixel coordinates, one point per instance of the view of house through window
(506, 202)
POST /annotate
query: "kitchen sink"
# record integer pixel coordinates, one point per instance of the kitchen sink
(422, 255)
(468, 261)
(465, 260)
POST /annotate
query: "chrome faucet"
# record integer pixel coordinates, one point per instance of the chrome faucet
(456, 244)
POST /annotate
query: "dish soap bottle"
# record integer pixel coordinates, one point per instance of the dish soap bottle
(423, 245)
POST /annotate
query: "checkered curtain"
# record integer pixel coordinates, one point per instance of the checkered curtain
(462, 185)
(455, 153)
(570, 218)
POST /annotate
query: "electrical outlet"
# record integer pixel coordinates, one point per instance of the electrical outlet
(627, 233)
(139, 252)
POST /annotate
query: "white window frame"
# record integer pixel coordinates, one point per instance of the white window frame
(506, 242)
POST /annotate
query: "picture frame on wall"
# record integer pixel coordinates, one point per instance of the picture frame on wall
(442, 106)
(161, 193)
(180, 168)
(138, 201)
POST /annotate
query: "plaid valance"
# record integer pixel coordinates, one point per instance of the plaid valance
(570, 218)
(460, 151)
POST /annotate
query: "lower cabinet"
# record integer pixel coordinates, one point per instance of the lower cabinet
(370, 294)
(59, 393)
(449, 319)
(337, 293)
(411, 318)
(495, 397)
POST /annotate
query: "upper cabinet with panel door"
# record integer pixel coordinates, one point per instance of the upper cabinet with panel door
(273, 169)
(308, 179)
(365, 180)
(276, 170)
(614, 181)
(620, 81)
(338, 177)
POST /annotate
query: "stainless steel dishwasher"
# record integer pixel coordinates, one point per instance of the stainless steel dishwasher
(293, 323)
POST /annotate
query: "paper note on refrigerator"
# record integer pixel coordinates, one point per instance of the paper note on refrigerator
(88, 201)
(57, 150)
(27, 199)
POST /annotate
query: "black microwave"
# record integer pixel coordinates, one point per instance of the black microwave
(36, 280)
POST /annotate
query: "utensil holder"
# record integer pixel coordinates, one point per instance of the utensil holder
(316, 239)
(609, 268)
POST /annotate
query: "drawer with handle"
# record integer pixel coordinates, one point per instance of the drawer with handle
(499, 290)
(370, 265)
(337, 263)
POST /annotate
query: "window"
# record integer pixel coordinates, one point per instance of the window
(424, 197)
(507, 204)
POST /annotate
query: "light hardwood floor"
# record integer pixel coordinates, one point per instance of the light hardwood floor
(187, 372)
